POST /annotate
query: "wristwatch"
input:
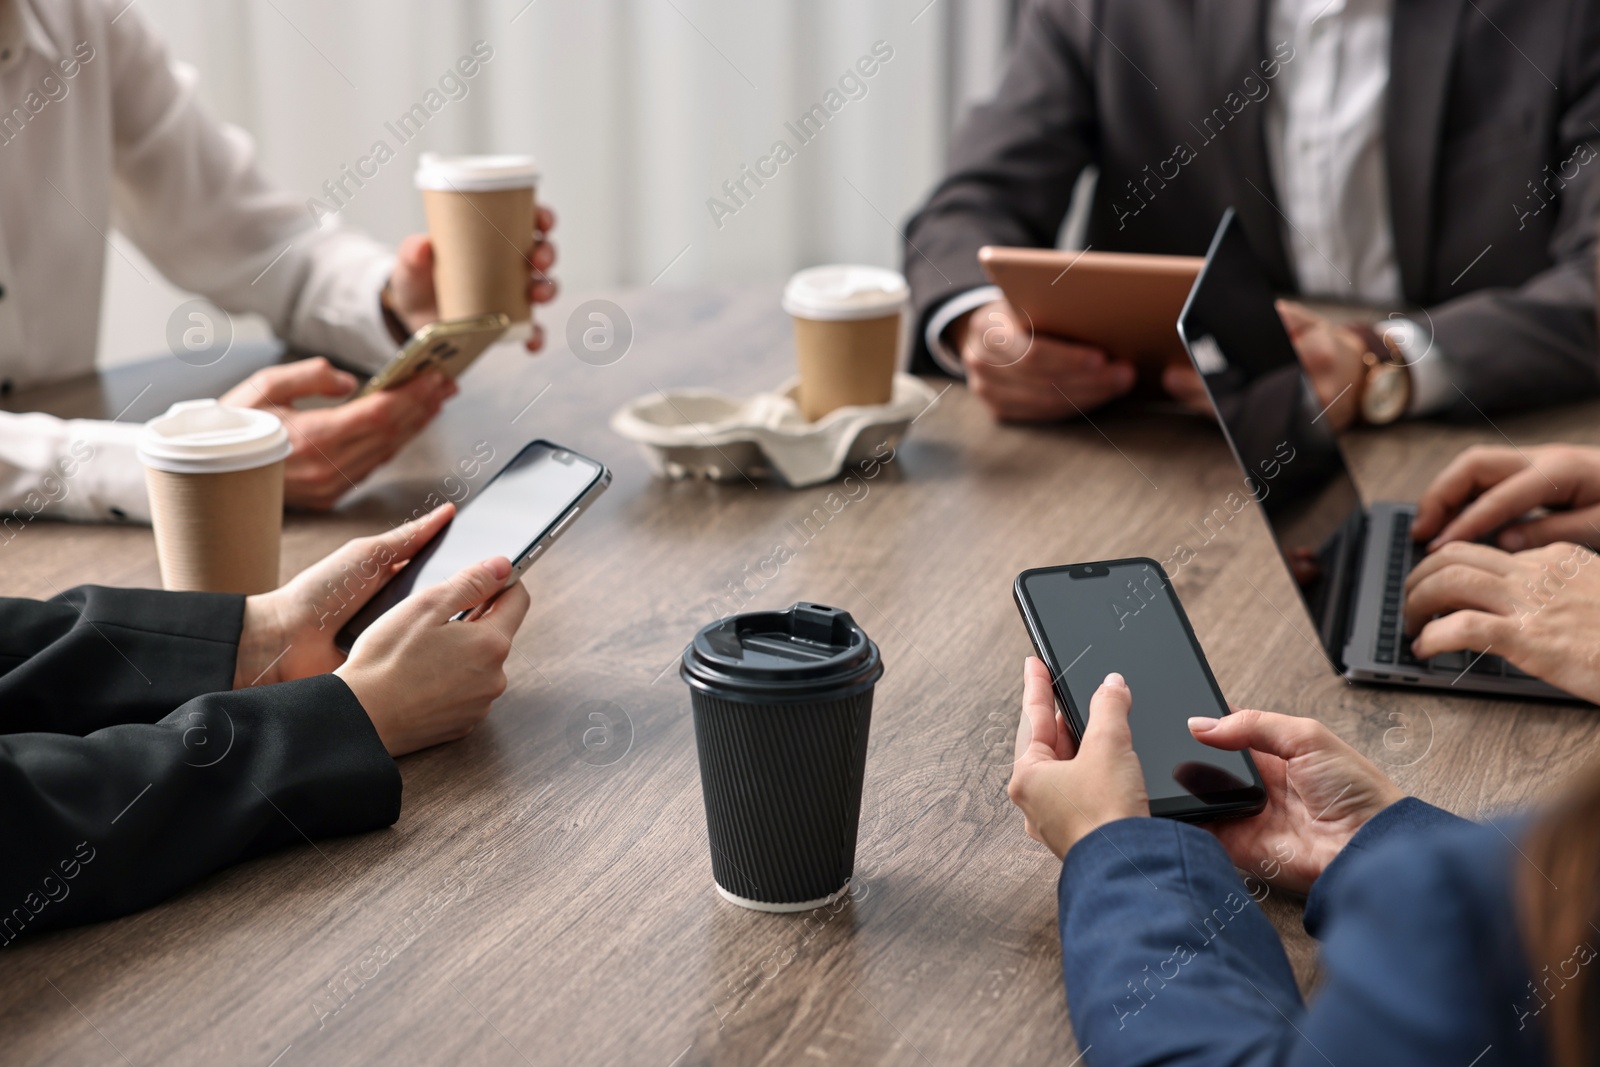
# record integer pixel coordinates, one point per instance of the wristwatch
(1386, 383)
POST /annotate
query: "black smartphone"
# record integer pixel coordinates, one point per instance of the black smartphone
(518, 514)
(1089, 619)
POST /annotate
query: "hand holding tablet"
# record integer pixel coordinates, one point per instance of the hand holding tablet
(1076, 330)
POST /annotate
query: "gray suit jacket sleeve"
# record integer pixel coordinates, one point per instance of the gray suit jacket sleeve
(1537, 343)
(1012, 166)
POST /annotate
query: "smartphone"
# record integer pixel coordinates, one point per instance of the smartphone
(1089, 619)
(446, 346)
(518, 514)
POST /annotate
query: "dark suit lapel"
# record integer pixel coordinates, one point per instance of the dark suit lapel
(1420, 54)
(1232, 44)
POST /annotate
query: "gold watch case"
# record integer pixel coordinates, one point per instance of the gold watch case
(1386, 391)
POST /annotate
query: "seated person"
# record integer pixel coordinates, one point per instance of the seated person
(1434, 155)
(1443, 941)
(104, 126)
(1535, 599)
(148, 738)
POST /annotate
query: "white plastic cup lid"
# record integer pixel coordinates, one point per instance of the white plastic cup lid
(476, 174)
(203, 437)
(845, 292)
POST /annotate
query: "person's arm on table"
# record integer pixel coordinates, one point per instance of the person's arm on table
(94, 657)
(100, 825)
(1160, 941)
(1165, 957)
(82, 469)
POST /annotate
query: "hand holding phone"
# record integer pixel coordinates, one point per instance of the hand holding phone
(447, 347)
(1091, 620)
(1067, 789)
(518, 514)
(425, 679)
(1320, 791)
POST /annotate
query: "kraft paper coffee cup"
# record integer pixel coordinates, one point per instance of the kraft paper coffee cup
(782, 702)
(480, 216)
(215, 477)
(848, 335)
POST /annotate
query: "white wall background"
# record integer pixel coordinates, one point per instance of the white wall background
(638, 111)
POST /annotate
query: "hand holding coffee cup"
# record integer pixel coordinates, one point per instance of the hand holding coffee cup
(486, 248)
(215, 478)
(849, 334)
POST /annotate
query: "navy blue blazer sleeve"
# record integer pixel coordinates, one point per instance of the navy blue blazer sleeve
(1402, 818)
(1168, 961)
(110, 802)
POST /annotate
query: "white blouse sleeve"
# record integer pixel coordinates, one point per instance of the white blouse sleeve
(190, 194)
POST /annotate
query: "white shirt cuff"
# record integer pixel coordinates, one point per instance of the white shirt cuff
(1431, 390)
(82, 469)
(944, 315)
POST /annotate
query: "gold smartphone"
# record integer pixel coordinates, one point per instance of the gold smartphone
(449, 347)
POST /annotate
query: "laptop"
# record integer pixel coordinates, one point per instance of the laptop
(1348, 561)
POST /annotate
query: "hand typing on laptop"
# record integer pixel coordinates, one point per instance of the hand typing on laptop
(1532, 496)
(1539, 608)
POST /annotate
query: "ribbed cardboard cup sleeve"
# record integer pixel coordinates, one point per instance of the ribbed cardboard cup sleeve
(218, 532)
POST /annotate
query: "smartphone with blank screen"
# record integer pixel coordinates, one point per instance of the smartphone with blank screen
(517, 514)
(1089, 619)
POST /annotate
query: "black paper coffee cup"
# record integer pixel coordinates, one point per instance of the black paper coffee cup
(782, 703)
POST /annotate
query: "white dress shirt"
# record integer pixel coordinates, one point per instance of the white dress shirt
(99, 126)
(1324, 125)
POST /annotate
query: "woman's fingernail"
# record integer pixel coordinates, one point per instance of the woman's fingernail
(1115, 679)
(1200, 724)
(1512, 541)
(500, 567)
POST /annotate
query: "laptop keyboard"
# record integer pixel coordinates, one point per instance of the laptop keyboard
(1393, 646)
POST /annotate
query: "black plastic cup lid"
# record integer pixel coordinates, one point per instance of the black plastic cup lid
(806, 651)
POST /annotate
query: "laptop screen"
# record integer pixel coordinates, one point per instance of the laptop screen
(1277, 427)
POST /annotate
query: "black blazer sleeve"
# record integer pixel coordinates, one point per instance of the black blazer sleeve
(1012, 166)
(95, 657)
(1537, 343)
(102, 814)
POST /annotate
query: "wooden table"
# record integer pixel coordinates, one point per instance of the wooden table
(547, 899)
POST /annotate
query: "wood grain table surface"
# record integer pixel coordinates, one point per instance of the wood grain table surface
(546, 897)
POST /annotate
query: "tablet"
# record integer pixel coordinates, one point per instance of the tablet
(1122, 302)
